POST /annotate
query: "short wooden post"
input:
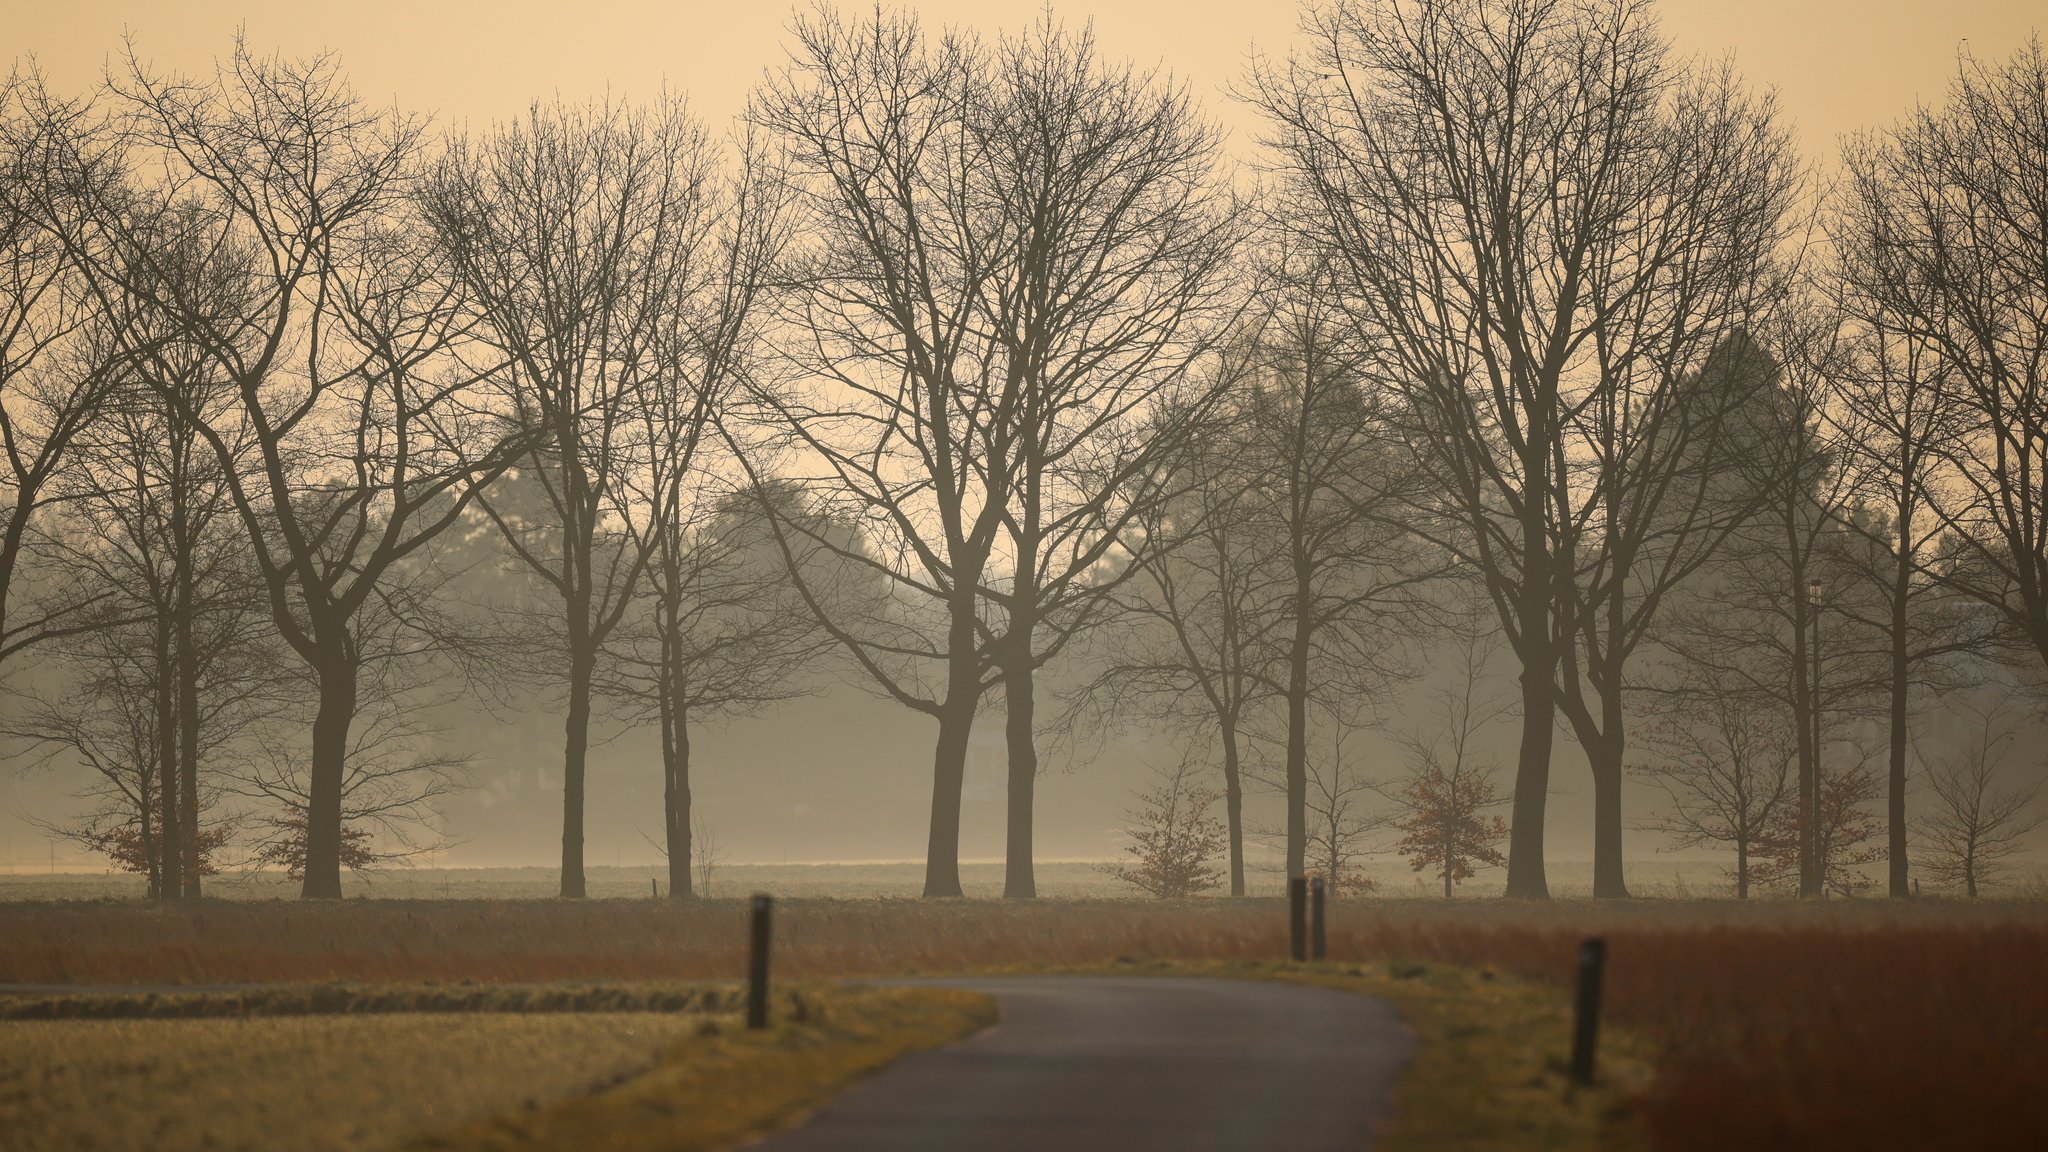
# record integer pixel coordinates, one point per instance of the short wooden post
(1297, 918)
(757, 965)
(1318, 940)
(657, 888)
(1586, 1015)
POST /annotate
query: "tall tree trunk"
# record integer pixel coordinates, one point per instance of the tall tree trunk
(1233, 806)
(1608, 880)
(1019, 883)
(575, 758)
(1802, 713)
(1901, 686)
(331, 724)
(949, 770)
(675, 765)
(949, 758)
(1606, 758)
(1742, 867)
(152, 850)
(188, 682)
(1606, 751)
(172, 824)
(1297, 733)
(1526, 878)
(1020, 704)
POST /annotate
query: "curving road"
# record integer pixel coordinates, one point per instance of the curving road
(1130, 1063)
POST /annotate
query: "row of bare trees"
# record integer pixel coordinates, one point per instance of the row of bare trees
(965, 358)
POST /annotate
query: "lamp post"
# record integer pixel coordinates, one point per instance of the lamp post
(1820, 872)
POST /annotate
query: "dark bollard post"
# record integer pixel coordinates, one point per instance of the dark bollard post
(657, 888)
(1586, 1018)
(757, 966)
(1297, 917)
(1318, 942)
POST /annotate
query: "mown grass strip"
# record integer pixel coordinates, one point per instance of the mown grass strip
(344, 999)
(726, 1083)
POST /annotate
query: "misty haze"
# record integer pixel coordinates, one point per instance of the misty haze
(1385, 573)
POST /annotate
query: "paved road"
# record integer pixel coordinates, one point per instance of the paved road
(1131, 1063)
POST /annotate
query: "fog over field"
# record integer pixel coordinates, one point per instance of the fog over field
(1111, 575)
(671, 579)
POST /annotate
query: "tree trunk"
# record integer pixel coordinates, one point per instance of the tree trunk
(1532, 767)
(1297, 726)
(1606, 758)
(1802, 714)
(575, 757)
(1019, 883)
(1538, 651)
(949, 770)
(1606, 748)
(188, 696)
(323, 796)
(949, 758)
(1901, 687)
(1233, 807)
(675, 793)
(152, 851)
(172, 823)
(1742, 868)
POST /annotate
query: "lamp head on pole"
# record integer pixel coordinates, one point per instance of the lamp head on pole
(1813, 592)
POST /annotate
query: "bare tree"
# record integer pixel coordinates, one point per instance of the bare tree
(358, 426)
(1782, 610)
(1900, 420)
(723, 634)
(1324, 470)
(1191, 640)
(1110, 241)
(56, 362)
(1341, 824)
(100, 706)
(1516, 201)
(728, 632)
(1724, 759)
(1971, 825)
(706, 853)
(150, 531)
(1945, 234)
(1940, 234)
(902, 422)
(583, 239)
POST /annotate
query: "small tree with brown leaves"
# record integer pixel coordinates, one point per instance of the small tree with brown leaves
(1446, 830)
(1173, 839)
(1843, 843)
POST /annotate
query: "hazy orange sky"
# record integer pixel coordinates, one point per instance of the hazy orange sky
(1838, 64)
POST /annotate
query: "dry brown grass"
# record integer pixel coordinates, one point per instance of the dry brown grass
(332, 1082)
(228, 1071)
(1850, 1024)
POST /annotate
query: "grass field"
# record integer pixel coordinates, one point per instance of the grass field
(334, 1082)
(1660, 877)
(235, 1072)
(1773, 1024)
